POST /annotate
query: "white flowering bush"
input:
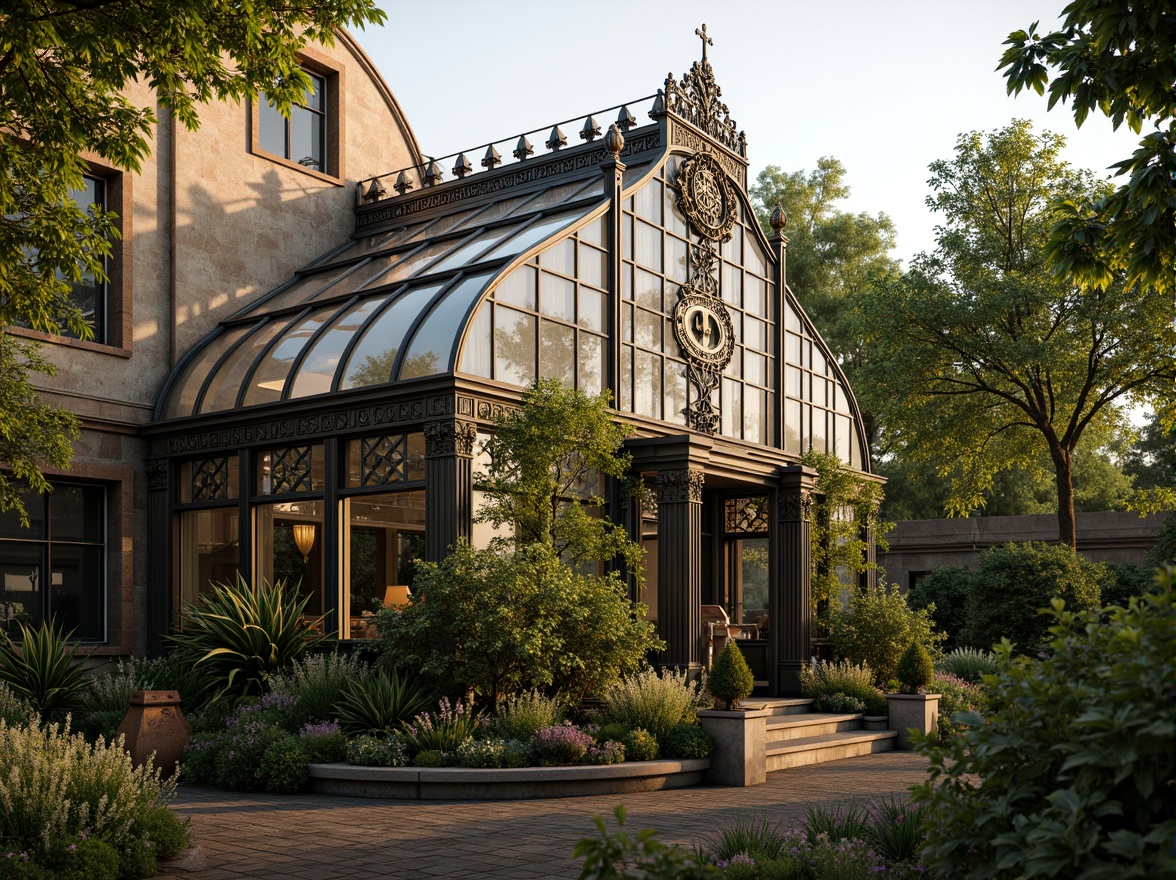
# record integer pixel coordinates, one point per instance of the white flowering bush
(56, 788)
(652, 701)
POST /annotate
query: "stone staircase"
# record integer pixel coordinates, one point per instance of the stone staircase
(796, 736)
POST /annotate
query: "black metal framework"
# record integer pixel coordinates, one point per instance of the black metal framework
(291, 469)
(210, 479)
(746, 515)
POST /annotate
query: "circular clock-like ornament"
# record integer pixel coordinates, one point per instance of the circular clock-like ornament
(703, 328)
(706, 197)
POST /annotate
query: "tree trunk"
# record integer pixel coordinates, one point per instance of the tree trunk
(1067, 525)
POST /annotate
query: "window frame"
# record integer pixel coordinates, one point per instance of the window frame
(327, 69)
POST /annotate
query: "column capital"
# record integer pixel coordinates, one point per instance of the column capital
(683, 484)
(450, 438)
(157, 474)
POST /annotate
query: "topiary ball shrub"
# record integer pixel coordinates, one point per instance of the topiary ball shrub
(1016, 580)
(730, 680)
(429, 758)
(1069, 774)
(915, 670)
(687, 741)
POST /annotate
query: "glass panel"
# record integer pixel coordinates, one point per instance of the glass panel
(490, 213)
(386, 539)
(792, 426)
(840, 401)
(593, 266)
(413, 262)
(820, 365)
(383, 459)
(297, 293)
(282, 533)
(557, 353)
(431, 348)
(792, 381)
(732, 409)
(318, 368)
(534, 234)
(593, 233)
(77, 514)
(467, 254)
(755, 333)
(372, 358)
(755, 295)
(634, 173)
(649, 290)
(626, 401)
(591, 380)
(755, 367)
(647, 385)
(669, 343)
(675, 219)
(648, 202)
(841, 437)
(514, 346)
(647, 329)
(754, 579)
(76, 597)
(792, 349)
(226, 382)
(306, 138)
(626, 322)
(316, 94)
(627, 281)
(475, 353)
(271, 128)
(290, 469)
(209, 551)
(557, 195)
(557, 297)
(732, 285)
(649, 246)
(627, 237)
(22, 585)
(560, 257)
(733, 249)
(675, 392)
(819, 430)
(754, 404)
(360, 278)
(518, 288)
(592, 309)
(182, 397)
(268, 380)
(676, 259)
(209, 479)
(34, 503)
(791, 319)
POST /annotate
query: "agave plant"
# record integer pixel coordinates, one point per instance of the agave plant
(44, 670)
(379, 704)
(240, 634)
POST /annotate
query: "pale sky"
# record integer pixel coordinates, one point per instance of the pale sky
(885, 87)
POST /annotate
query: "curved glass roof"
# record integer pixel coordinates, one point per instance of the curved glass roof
(379, 309)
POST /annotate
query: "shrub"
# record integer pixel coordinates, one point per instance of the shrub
(640, 745)
(914, 670)
(444, 730)
(168, 833)
(379, 704)
(730, 680)
(429, 758)
(1164, 551)
(607, 752)
(946, 588)
(956, 696)
(562, 744)
(838, 704)
(521, 716)
(758, 839)
(284, 765)
(967, 663)
(315, 683)
(896, 829)
(825, 679)
(324, 743)
(651, 700)
(877, 627)
(620, 855)
(111, 691)
(687, 741)
(239, 635)
(14, 711)
(1015, 580)
(44, 671)
(377, 751)
(493, 753)
(56, 788)
(1124, 581)
(239, 755)
(1068, 775)
(851, 822)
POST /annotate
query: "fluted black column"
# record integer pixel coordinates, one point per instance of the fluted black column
(449, 450)
(159, 543)
(792, 587)
(679, 563)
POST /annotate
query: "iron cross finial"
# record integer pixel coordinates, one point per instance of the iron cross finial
(706, 41)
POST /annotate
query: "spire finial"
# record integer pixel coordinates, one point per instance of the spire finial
(706, 41)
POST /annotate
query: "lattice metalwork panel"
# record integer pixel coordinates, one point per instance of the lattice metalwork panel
(210, 479)
(383, 460)
(292, 470)
(746, 516)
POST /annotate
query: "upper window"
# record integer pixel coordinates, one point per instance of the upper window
(89, 294)
(302, 138)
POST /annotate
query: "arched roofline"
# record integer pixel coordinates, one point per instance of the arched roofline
(369, 67)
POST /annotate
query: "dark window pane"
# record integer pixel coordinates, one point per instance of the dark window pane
(77, 513)
(306, 138)
(75, 594)
(272, 127)
(10, 526)
(22, 581)
(316, 96)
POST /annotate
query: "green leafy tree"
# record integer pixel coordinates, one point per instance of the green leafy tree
(548, 461)
(63, 71)
(980, 359)
(31, 431)
(1069, 772)
(1117, 57)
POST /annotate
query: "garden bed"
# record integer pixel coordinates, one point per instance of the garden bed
(464, 784)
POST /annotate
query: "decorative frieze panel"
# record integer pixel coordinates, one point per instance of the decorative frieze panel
(157, 475)
(679, 486)
(450, 438)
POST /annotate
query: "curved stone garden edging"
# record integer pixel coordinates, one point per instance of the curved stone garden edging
(463, 784)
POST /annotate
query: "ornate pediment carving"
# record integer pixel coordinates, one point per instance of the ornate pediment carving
(697, 99)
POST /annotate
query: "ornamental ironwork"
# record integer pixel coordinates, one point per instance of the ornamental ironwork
(383, 459)
(706, 197)
(746, 516)
(696, 100)
(290, 469)
(679, 486)
(210, 479)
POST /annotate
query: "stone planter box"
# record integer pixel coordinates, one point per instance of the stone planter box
(740, 745)
(912, 712)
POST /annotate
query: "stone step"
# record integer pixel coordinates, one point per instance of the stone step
(783, 728)
(830, 747)
(779, 705)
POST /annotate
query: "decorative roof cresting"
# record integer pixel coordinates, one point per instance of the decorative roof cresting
(696, 100)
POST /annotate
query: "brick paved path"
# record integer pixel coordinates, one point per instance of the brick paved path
(314, 837)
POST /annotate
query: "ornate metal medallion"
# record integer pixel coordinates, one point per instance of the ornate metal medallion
(706, 197)
(704, 330)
